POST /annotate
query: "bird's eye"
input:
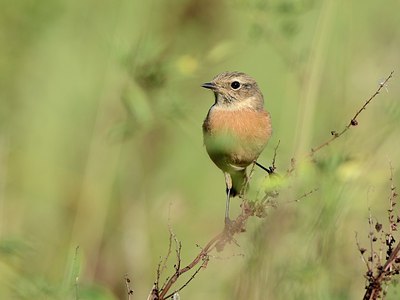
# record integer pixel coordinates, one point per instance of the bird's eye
(235, 85)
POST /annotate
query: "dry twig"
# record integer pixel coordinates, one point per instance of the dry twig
(217, 243)
(272, 168)
(304, 195)
(353, 122)
(128, 287)
(379, 274)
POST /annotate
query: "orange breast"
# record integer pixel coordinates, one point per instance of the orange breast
(234, 139)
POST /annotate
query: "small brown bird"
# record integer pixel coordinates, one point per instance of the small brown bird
(236, 129)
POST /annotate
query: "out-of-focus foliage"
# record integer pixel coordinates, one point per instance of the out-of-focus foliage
(101, 143)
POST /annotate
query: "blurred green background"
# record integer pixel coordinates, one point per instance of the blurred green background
(101, 143)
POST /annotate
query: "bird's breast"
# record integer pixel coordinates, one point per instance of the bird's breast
(236, 137)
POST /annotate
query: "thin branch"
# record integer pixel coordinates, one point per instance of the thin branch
(375, 285)
(383, 273)
(76, 273)
(178, 254)
(353, 121)
(128, 288)
(205, 261)
(370, 235)
(272, 168)
(209, 247)
(163, 264)
(274, 157)
(157, 282)
(362, 252)
(171, 234)
(218, 243)
(163, 286)
(392, 202)
(304, 195)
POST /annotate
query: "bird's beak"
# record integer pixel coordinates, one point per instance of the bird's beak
(209, 85)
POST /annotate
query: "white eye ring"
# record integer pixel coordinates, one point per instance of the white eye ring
(235, 85)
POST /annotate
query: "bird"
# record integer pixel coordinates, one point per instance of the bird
(236, 129)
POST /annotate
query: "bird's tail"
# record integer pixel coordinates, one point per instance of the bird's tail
(239, 180)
